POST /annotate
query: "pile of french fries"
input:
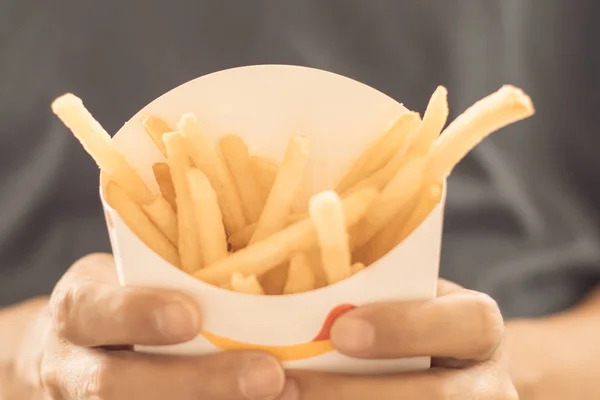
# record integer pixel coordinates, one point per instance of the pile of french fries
(226, 216)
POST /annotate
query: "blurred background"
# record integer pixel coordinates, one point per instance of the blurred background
(522, 216)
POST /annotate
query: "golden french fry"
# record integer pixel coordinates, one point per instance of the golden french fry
(273, 281)
(300, 276)
(430, 199)
(162, 174)
(327, 216)
(284, 190)
(97, 142)
(156, 128)
(212, 238)
(434, 120)
(236, 156)
(394, 197)
(265, 171)
(504, 107)
(356, 268)
(381, 151)
(180, 164)
(264, 255)
(248, 285)
(314, 259)
(417, 145)
(139, 223)
(386, 239)
(242, 238)
(402, 224)
(161, 213)
(207, 159)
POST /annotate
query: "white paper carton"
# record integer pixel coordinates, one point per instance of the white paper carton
(265, 105)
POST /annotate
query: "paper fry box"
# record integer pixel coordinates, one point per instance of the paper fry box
(265, 105)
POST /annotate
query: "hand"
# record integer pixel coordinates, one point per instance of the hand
(461, 329)
(90, 322)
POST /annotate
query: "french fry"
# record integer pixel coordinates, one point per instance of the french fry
(284, 190)
(273, 281)
(264, 255)
(506, 106)
(300, 277)
(156, 128)
(394, 197)
(434, 120)
(431, 198)
(387, 238)
(97, 142)
(265, 171)
(381, 151)
(242, 238)
(417, 145)
(162, 174)
(248, 285)
(356, 268)
(314, 259)
(212, 238)
(139, 223)
(328, 218)
(236, 156)
(161, 213)
(206, 158)
(180, 164)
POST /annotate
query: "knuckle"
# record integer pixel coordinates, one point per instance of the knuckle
(99, 382)
(63, 307)
(490, 322)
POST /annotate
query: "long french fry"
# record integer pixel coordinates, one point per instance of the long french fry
(236, 156)
(207, 159)
(139, 223)
(161, 213)
(248, 285)
(434, 120)
(97, 142)
(212, 238)
(417, 145)
(381, 151)
(431, 198)
(162, 174)
(180, 164)
(300, 276)
(394, 197)
(156, 128)
(283, 194)
(316, 264)
(504, 107)
(265, 171)
(242, 238)
(262, 256)
(328, 218)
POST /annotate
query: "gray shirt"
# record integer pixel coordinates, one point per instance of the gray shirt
(522, 222)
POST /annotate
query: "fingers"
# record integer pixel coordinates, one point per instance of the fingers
(478, 384)
(229, 376)
(88, 312)
(464, 325)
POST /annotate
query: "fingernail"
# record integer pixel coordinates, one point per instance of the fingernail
(177, 320)
(290, 391)
(351, 334)
(262, 379)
